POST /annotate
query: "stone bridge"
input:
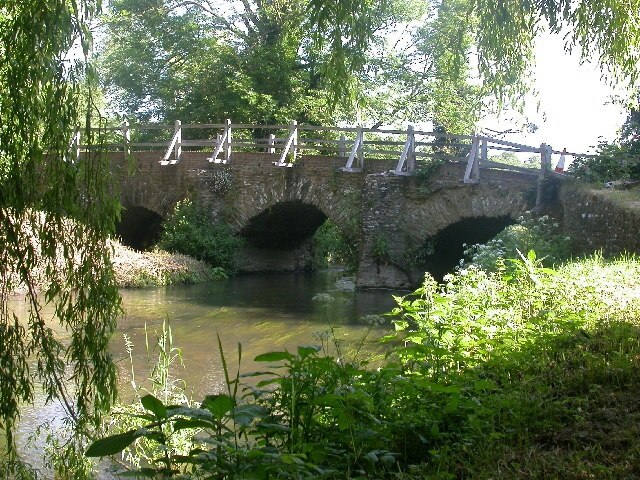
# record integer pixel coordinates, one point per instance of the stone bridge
(402, 225)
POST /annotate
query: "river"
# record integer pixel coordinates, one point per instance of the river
(262, 312)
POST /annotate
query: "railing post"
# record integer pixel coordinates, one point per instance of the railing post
(484, 151)
(361, 148)
(227, 141)
(293, 131)
(545, 165)
(342, 146)
(481, 155)
(411, 154)
(271, 142)
(356, 151)
(178, 146)
(472, 172)
(126, 135)
(76, 144)
(407, 161)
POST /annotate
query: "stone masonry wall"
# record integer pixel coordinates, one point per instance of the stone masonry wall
(595, 222)
(371, 207)
(402, 212)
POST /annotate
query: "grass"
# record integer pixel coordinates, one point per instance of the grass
(566, 406)
(626, 198)
(524, 373)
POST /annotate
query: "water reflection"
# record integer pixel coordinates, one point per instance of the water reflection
(263, 312)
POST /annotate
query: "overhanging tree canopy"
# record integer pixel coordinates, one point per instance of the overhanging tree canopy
(55, 215)
(504, 34)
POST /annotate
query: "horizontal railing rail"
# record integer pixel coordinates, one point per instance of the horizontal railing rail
(403, 148)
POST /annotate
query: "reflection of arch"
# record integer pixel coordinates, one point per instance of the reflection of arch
(139, 227)
(283, 226)
(440, 253)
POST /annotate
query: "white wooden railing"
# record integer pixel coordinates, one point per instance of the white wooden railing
(354, 144)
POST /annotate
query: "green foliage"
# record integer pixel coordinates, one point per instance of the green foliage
(268, 63)
(503, 34)
(197, 62)
(630, 131)
(511, 158)
(520, 359)
(143, 278)
(613, 161)
(190, 230)
(380, 249)
(64, 452)
(331, 246)
(541, 234)
(426, 169)
(55, 216)
(127, 421)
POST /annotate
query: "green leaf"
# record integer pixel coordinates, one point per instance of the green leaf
(274, 357)
(272, 427)
(305, 351)
(183, 423)
(245, 414)
(218, 405)
(155, 406)
(193, 413)
(113, 444)
(270, 381)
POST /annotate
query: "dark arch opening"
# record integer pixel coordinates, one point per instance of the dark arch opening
(441, 253)
(139, 228)
(284, 226)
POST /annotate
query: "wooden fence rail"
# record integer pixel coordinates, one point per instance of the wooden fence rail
(355, 144)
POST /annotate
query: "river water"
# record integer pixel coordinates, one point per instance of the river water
(262, 312)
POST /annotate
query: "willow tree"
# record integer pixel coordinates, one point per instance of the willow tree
(55, 215)
(503, 35)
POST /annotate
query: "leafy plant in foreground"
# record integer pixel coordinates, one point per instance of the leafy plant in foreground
(540, 234)
(485, 376)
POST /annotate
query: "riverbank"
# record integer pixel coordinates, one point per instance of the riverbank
(158, 267)
(528, 372)
(133, 269)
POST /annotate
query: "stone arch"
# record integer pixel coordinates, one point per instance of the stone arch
(438, 227)
(279, 238)
(441, 253)
(284, 225)
(336, 195)
(427, 217)
(139, 227)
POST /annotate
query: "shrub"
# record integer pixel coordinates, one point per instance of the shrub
(612, 162)
(541, 234)
(331, 246)
(190, 230)
(484, 374)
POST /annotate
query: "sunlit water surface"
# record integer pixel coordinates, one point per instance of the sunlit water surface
(262, 312)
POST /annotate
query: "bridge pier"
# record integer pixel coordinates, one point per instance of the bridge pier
(383, 242)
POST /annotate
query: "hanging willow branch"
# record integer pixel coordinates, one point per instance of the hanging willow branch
(55, 217)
